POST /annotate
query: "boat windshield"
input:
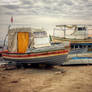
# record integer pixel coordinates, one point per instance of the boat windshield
(40, 34)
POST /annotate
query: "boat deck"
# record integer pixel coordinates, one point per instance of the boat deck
(58, 39)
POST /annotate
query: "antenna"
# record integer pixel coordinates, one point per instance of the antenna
(10, 23)
(11, 19)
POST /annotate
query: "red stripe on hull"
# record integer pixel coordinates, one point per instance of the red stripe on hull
(36, 54)
(3, 51)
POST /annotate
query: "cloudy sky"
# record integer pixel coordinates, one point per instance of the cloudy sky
(44, 13)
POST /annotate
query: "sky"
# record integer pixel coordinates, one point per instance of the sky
(44, 13)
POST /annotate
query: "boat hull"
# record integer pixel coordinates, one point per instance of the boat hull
(53, 58)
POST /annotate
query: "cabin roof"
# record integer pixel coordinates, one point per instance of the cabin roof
(14, 30)
(32, 30)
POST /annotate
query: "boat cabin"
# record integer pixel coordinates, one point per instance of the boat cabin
(21, 39)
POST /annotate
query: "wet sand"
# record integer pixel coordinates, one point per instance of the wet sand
(57, 79)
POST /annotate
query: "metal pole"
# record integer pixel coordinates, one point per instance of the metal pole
(9, 27)
(4, 42)
(53, 31)
(64, 31)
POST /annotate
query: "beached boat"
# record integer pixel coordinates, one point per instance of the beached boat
(80, 42)
(27, 45)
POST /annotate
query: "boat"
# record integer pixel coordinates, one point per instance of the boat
(80, 42)
(29, 45)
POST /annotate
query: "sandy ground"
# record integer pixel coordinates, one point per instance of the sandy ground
(57, 79)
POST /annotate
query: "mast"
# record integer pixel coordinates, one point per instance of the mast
(7, 33)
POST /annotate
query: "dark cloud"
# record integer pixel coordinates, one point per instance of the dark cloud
(51, 8)
(26, 2)
(13, 7)
(9, 13)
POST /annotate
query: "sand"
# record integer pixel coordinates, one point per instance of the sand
(57, 79)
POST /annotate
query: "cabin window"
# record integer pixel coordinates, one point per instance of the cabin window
(72, 46)
(80, 46)
(84, 28)
(89, 46)
(84, 46)
(76, 46)
(81, 28)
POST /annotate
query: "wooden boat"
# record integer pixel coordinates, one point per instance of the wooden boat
(52, 57)
(23, 48)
